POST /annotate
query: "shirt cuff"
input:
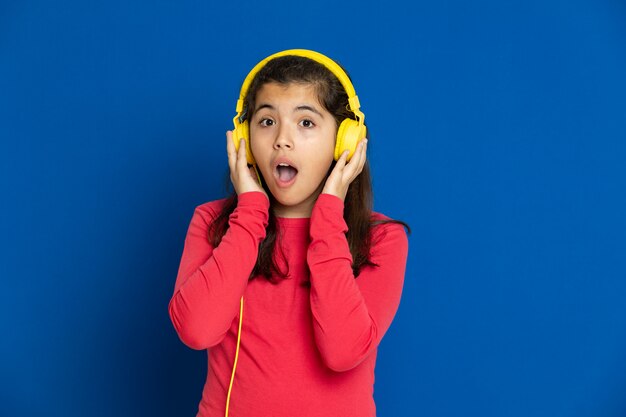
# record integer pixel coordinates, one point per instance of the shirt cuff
(254, 199)
(327, 216)
(331, 201)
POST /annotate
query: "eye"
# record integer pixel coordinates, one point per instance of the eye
(307, 123)
(266, 122)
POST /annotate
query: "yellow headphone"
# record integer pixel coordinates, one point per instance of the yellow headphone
(350, 131)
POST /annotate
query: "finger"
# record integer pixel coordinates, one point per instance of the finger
(242, 162)
(363, 156)
(230, 150)
(355, 164)
(341, 162)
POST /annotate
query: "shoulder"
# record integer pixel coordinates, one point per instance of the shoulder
(376, 216)
(389, 244)
(385, 228)
(379, 219)
(210, 210)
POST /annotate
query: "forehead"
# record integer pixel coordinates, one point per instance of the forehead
(291, 94)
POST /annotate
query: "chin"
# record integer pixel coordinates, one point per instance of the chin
(290, 199)
(287, 201)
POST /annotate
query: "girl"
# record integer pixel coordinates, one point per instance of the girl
(320, 272)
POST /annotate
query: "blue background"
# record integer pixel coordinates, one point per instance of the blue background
(497, 132)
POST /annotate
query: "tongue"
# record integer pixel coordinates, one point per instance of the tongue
(286, 173)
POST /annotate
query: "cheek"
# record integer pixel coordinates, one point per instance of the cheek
(323, 161)
(255, 142)
(325, 143)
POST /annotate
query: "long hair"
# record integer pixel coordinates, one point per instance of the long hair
(358, 202)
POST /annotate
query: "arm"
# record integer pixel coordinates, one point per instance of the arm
(211, 281)
(351, 316)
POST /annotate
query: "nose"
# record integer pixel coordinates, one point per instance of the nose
(283, 138)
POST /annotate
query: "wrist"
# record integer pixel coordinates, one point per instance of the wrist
(340, 195)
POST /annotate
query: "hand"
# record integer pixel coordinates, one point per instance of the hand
(343, 174)
(244, 178)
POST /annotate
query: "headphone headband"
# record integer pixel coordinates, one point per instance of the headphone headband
(332, 66)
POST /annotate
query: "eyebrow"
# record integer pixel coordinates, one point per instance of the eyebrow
(299, 108)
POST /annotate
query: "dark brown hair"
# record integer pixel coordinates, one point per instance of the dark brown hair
(358, 202)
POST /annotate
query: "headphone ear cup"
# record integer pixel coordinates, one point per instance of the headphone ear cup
(348, 136)
(242, 131)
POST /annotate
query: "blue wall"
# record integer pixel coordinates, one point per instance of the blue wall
(498, 131)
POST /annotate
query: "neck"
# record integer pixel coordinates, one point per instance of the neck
(299, 210)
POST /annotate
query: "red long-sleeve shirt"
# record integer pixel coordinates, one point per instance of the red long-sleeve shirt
(305, 351)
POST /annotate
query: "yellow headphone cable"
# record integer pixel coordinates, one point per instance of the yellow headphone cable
(230, 387)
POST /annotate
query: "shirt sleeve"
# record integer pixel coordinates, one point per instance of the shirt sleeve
(211, 281)
(351, 316)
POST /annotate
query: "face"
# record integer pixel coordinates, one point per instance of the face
(292, 138)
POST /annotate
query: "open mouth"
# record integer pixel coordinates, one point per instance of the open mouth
(285, 173)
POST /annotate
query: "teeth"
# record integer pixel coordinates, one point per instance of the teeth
(282, 164)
